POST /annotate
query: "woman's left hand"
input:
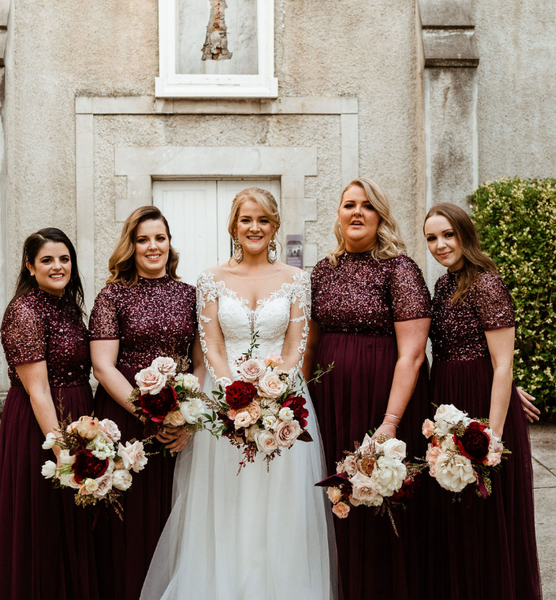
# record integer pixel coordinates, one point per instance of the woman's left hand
(387, 428)
(175, 438)
(531, 411)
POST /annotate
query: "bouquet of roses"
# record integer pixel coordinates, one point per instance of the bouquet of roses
(374, 475)
(167, 396)
(260, 412)
(462, 451)
(92, 463)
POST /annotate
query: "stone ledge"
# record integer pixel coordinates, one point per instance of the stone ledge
(446, 14)
(450, 48)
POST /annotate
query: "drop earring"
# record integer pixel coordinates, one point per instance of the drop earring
(272, 251)
(238, 250)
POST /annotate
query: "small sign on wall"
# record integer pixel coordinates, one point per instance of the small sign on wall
(294, 250)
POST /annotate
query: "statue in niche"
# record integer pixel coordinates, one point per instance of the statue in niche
(216, 41)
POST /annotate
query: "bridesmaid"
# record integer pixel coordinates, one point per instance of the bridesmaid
(486, 550)
(371, 312)
(46, 550)
(143, 312)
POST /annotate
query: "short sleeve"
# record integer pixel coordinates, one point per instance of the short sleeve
(104, 324)
(492, 301)
(408, 291)
(23, 335)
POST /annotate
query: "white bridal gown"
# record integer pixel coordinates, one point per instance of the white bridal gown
(258, 535)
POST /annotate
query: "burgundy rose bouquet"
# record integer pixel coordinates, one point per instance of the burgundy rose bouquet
(462, 451)
(167, 396)
(374, 475)
(260, 412)
(93, 462)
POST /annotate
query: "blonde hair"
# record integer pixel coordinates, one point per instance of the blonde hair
(122, 262)
(388, 242)
(263, 198)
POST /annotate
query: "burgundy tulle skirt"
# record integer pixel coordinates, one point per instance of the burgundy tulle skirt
(484, 549)
(46, 541)
(125, 548)
(349, 401)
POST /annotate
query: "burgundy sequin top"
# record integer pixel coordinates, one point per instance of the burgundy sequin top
(363, 295)
(458, 331)
(156, 317)
(39, 326)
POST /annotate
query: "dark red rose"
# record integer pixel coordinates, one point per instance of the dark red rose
(86, 465)
(409, 487)
(297, 405)
(474, 442)
(157, 406)
(239, 394)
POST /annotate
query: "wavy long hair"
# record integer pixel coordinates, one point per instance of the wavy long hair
(475, 261)
(31, 247)
(389, 242)
(263, 198)
(122, 262)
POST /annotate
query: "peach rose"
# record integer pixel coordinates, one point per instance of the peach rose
(243, 419)
(334, 494)
(254, 410)
(251, 370)
(88, 427)
(341, 510)
(287, 432)
(433, 452)
(266, 442)
(150, 381)
(175, 418)
(271, 385)
(428, 428)
(273, 360)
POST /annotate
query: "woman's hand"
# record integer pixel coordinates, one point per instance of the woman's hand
(531, 412)
(388, 428)
(175, 438)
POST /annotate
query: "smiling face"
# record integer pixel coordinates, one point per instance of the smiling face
(52, 268)
(443, 243)
(253, 228)
(359, 221)
(152, 246)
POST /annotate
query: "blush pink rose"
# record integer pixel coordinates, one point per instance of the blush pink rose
(242, 419)
(150, 381)
(110, 429)
(165, 365)
(133, 456)
(287, 432)
(104, 485)
(266, 442)
(334, 494)
(363, 488)
(350, 465)
(341, 510)
(433, 452)
(271, 386)
(251, 370)
(428, 428)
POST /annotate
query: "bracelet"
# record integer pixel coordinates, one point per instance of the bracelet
(388, 423)
(390, 415)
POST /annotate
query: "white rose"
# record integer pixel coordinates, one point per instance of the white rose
(286, 414)
(251, 370)
(447, 444)
(266, 442)
(110, 429)
(251, 433)
(49, 442)
(101, 448)
(367, 443)
(65, 458)
(447, 417)
(242, 419)
(48, 469)
(393, 448)
(271, 385)
(165, 365)
(121, 479)
(454, 472)
(269, 421)
(388, 475)
(89, 486)
(190, 383)
(192, 410)
(133, 456)
(150, 380)
(68, 480)
(104, 485)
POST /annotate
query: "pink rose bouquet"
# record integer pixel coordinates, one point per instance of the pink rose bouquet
(93, 462)
(462, 451)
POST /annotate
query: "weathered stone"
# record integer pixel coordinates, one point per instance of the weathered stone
(446, 13)
(450, 48)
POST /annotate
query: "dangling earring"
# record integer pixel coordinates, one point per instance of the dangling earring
(272, 251)
(238, 250)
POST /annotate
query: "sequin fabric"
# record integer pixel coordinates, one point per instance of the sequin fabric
(39, 326)
(458, 331)
(155, 317)
(363, 295)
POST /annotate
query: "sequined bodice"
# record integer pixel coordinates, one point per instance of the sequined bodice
(458, 331)
(152, 318)
(39, 326)
(363, 295)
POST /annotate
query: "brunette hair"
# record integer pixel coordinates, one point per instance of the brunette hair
(263, 198)
(389, 242)
(475, 261)
(122, 262)
(31, 247)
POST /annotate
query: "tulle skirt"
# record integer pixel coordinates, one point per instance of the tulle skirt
(46, 541)
(484, 549)
(350, 400)
(124, 548)
(254, 536)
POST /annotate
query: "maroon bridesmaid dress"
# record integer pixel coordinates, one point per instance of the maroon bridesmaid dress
(155, 317)
(355, 305)
(46, 547)
(480, 549)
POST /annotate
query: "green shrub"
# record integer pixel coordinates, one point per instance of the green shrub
(516, 220)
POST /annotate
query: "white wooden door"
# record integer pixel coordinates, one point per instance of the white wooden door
(197, 212)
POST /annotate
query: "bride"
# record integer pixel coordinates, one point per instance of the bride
(255, 535)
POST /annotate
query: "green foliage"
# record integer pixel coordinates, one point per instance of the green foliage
(516, 220)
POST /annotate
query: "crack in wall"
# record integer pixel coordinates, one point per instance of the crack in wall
(216, 41)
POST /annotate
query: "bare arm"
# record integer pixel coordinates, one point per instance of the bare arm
(411, 337)
(501, 347)
(310, 352)
(104, 356)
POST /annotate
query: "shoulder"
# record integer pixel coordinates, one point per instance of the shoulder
(488, 283)
(27, 305)
(184, 288)
(401, 262)
(322, 267)
(112, 290)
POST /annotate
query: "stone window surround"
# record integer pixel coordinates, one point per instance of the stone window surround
(143, 164)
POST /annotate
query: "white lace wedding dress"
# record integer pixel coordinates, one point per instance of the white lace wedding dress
(258, 535)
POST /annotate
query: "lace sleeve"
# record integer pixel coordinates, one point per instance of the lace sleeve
(295, 341)
(210, 334)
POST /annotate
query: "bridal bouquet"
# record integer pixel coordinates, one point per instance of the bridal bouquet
(374, 475)
(462, 451)
(167, 396)
(93, 462)
(260, 412)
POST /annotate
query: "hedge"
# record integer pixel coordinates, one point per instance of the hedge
(516, 219)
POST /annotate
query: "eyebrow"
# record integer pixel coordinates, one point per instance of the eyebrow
(48, 256)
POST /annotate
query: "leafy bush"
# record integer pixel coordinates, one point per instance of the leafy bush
(516, 220)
